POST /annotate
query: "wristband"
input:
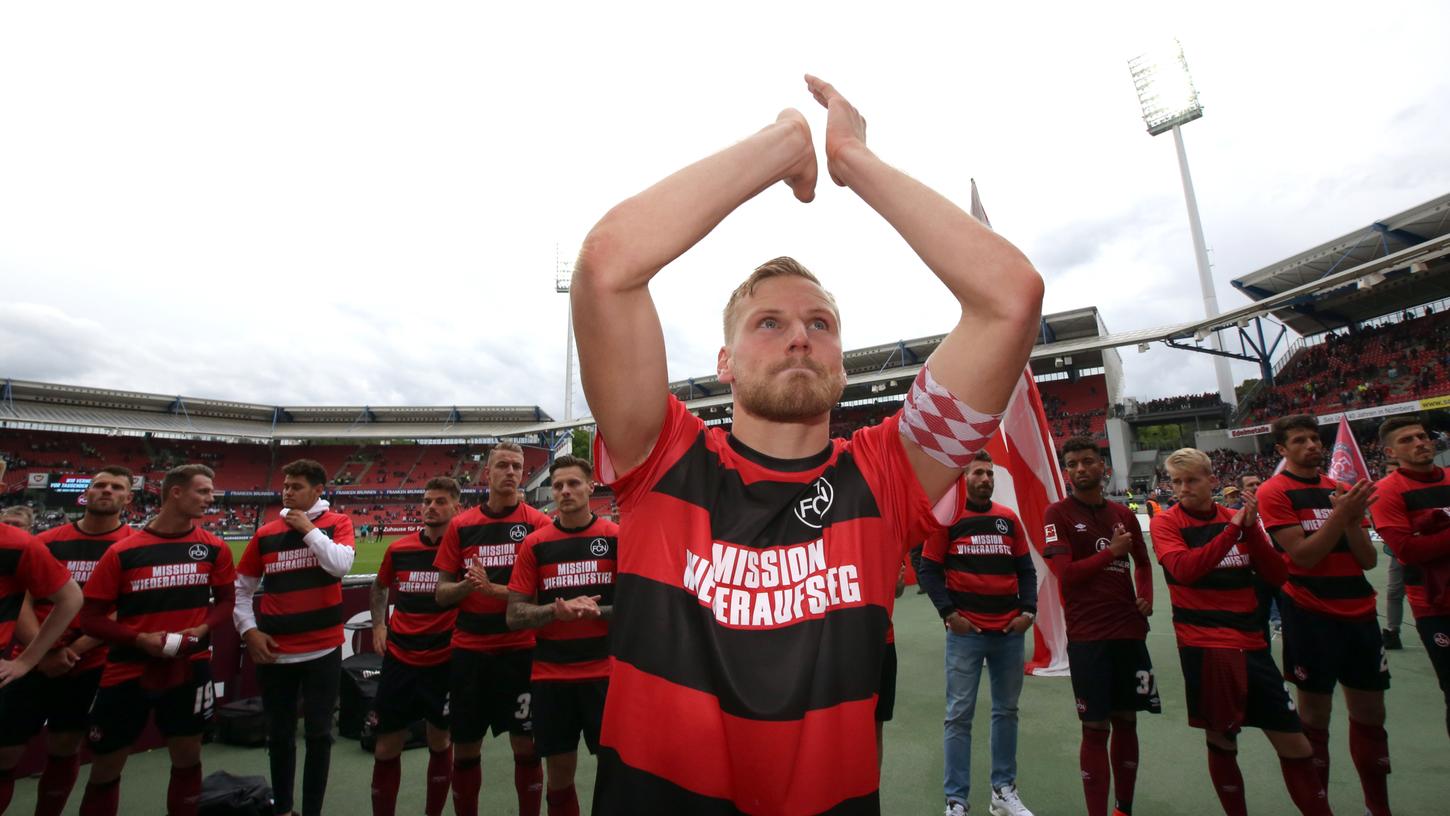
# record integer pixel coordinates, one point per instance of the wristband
(172, 645)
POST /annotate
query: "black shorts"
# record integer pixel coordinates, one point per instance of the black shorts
(119, 713)
(36, 701)
(490, 691)
(408, 693)
(565, 709)
(1435, 634)
(1230, 689)
(1112, 675)
(886, 697)
(1320, 651)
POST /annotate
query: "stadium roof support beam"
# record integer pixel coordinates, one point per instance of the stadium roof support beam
(908, 357)
(1387, 231)
(7, 399)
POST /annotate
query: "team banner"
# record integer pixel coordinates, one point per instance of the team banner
(1346, 463)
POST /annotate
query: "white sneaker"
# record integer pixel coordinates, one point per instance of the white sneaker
(955, 808)
(1006, 802)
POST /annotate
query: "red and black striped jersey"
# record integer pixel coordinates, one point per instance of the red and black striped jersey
(979, 556)
(1412, 515)
(750, 618)
(158, 583)
(1209, 565)
(79, 551)
(1099, 597)
(300, 606)
(1336, 586)
(478, 538)
(25, 566)
(420, 630)
(558, 563)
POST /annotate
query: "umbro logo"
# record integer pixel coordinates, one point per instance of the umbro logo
(598, 548)
(198, 552)
(811, 511)
(519, 532)
(1080, 527)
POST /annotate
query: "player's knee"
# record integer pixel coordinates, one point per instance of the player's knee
(467, 750)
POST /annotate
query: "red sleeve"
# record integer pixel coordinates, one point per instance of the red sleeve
(342, 531)
(678, 432)
(1186, 565)
(385, 568)
(1268, 563)
(95, 620)
(225, 597)
(450, 554)
(1054, 537)
(39, 572)
(224, 572)
(1142, 564)
(904, 505)
(105, 581)
(1392, 521)
(935, 546)
(539, 519)
(1274, 508)
(524, 579)
(251, 563)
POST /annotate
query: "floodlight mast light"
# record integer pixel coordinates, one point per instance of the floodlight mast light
(1169, 100)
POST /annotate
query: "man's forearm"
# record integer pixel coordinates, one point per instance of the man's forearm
(997, 287)
(1313, 548)
(450, 592)
(524, 615)
(378, 604)
(1361, 547)
(644, 233)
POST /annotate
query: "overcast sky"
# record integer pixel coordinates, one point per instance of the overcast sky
(360, 203)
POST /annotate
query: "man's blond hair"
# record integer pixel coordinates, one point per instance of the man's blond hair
(506, 445)
(1188, 458)
(781, 267)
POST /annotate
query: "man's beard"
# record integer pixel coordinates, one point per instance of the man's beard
(795, 399)
(95, 510)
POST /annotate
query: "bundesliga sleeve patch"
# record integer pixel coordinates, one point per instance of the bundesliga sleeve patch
(1049, 533)
(945, 428)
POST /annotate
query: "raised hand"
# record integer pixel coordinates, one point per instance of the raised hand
(585, 606)
(801, 177)
(1353, 502)
(845, 126)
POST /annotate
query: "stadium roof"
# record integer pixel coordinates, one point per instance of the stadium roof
(1333, 308)
(101, 410)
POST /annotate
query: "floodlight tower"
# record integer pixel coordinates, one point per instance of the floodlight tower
(1169, 100)
(563, 275)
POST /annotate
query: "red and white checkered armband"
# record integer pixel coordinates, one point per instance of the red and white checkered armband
(945, 428)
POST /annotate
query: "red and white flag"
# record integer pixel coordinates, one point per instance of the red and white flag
(1346, 463)
(1028, 480)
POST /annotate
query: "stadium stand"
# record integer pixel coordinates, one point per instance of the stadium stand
(1406, 356)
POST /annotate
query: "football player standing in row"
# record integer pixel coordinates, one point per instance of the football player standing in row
(1413, 517)
(563, 585)
(1088, 540)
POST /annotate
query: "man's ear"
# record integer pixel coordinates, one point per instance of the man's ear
(722, 366)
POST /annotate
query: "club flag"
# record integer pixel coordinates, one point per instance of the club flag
(1346, 464)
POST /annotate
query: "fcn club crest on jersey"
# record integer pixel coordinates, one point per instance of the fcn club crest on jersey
(811, 510)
